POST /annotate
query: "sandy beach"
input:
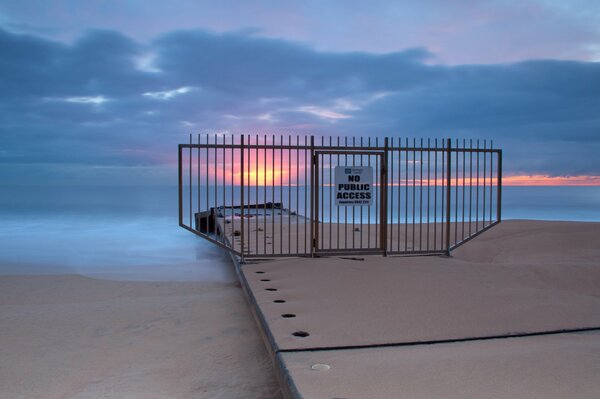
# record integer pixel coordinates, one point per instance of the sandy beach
(70, 336)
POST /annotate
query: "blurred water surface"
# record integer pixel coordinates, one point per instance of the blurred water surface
(131, 233)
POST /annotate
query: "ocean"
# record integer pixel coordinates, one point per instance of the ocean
(131, 233)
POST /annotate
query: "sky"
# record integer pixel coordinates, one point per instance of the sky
(101, 92)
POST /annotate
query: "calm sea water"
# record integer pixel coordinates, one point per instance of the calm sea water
(131, 233)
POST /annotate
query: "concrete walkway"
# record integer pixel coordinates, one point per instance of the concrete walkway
(385, 327)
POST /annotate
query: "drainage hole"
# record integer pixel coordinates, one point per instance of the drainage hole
(288, 315)
(279, 301)
(270, 289)
(259, 272)
(300, 334)
(265, 279)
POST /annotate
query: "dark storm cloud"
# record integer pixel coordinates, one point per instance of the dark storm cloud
(108, 100)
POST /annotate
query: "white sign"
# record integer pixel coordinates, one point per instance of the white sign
(353, 185)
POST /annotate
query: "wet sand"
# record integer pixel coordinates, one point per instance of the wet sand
(67, 336)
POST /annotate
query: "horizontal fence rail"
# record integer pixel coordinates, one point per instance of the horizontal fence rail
(269, 196)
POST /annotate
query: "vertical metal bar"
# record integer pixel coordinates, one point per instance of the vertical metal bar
(289, 178)
(442, 194)
(265, 195)
(435, 177)
(448, 194)
(369, 207)
(399, 191)
(207, 177)
(456, 197)
(273, 196)
(190, 174)
(281, 195)
(232, 189)
(353, 207)
(312, 196)
(224, 186)
(392, 198)
(499, 188)
(215, 171)
(256, 196)
(414, 190)
(305, 196)
(399, 217)
(377, 195)
(421, 196)
(428, 186)
(317, 201)
(242, 197)
(330, 197)
(477, 192)
(491, 180)
(338, 208)
(198, 175)
(297, 153)
(361, 208)
(322, 198)
(384, 196)
(406, 199)
(463, 187)
(470, 185)
(483, 192)
(345, 207)
(180, 182)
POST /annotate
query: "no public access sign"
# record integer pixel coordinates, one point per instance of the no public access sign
(353, 185)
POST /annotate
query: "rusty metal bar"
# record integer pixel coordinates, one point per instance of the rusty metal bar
(180, 180)
(456, 197)
(330, 197)
(448, 193)
(190, 182)
(499, 188)
(477, 192)
(242, 183)
(491, 181)
(406, 200)
(338, 208)
(391, 174)
(399, 217)
(484, 180)
(384, 196)
(435, 177)
(312, 195)
(470, 186)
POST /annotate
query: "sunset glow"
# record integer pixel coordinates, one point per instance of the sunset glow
(544, 180)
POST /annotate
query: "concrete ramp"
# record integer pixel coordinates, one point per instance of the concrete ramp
(388, 326)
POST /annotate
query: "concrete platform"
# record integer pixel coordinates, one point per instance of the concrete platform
(357, 316)
(549, 367)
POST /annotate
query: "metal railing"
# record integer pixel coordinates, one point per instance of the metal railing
(268, 196)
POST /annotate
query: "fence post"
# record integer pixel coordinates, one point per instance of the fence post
(180, 179)
(242, 196)
(499, 188)
(448, 193)
(384, 198)
(312, 196)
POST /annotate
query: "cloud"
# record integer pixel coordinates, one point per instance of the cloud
(90, 103)
(167, 94)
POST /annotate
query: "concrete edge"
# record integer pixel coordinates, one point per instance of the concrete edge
(288, 388)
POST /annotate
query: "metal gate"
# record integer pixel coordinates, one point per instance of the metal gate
(269, 196)
(348, 228)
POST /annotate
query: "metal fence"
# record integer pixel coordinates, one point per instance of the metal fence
(268, 196)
